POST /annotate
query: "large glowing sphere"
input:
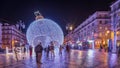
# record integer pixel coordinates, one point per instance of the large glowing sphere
(44, 31)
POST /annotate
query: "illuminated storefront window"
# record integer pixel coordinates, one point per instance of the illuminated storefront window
(100, 27)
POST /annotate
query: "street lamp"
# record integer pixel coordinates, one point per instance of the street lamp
(69, 29)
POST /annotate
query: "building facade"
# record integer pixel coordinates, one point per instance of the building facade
(0, 35)
(12, 36)
(69, 38)
(115, 23)
(96, 29)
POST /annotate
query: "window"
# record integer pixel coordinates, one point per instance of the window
(94, 31)
(5, 41)
(93, 18)
(4, 31)
(92, 24)
(105, 15)
(106, 22)
(88, 27)
(6, 27)
(119, 5)
(85, 29)
(81, 30)
(100, 16)
(100, 22)
(119, 24)
(9, 31)
(82, 26)
(100, 34)
(106, 28)
(88, 33)
(10, 27)
(84, 34)
(100, 27)
(5, 36)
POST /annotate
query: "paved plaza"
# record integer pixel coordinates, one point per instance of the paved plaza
(76, 59)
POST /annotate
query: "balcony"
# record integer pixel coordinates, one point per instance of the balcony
(102, 17)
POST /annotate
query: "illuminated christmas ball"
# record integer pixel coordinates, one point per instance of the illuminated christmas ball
(44, 31)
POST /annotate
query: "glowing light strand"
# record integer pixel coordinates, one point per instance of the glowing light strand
(47, 28)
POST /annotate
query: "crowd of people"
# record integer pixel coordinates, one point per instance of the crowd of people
(49, 51)
(107, 48)
(39, 50)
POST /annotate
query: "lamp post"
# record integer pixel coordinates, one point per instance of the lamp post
(69, 29)
(93, 45)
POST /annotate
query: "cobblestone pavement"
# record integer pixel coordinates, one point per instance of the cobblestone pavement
(76, 59)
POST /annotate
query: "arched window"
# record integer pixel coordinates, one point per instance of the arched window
(106, 22)
(100, 22)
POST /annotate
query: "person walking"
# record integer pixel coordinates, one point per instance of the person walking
(30, 50)
(38, 51)
(24, 52)
(60, 50)
(47, 50)
(52, 50)
(106, 48)
(16, 53)
(67, 48)
(119, 51)
(100, 47)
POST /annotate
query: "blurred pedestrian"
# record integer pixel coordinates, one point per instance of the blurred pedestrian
(47, 50)
(106, 48)
(16, 53)
(60, 50)
(52, 49)
(67, 48)
(24, 52)
(30, 50)
(119, 51)
(38, 51)
(100, 47)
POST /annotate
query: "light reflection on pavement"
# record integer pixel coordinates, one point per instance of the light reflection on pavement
(76, 59)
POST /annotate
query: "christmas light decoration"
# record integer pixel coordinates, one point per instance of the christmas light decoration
(44, 31)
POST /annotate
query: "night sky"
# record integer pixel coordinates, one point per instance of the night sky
(61, 11)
